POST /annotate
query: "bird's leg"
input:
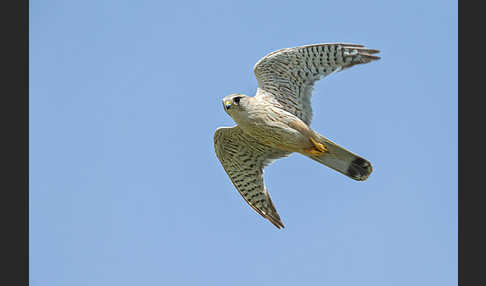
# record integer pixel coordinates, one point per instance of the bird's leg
(319, 146)
(317, 149)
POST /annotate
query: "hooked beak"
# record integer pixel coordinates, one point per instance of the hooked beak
(227, 105)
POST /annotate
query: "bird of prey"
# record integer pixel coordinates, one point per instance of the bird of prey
(276, 121)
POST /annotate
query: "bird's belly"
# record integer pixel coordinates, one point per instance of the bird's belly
(277, 135)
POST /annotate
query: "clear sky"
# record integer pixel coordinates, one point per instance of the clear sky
(125, 187)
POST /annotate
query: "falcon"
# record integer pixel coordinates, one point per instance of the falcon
(276, 121)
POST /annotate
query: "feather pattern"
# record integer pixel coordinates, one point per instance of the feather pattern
(286, 77)
(243, 158)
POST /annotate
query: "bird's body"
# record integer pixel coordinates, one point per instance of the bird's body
(276, 121)
(271, 125)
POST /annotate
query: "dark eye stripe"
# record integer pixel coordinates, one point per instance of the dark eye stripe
(236, 100)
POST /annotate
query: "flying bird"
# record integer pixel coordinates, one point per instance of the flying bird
(276, 121)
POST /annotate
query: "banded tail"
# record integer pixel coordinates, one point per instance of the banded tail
(342, 160)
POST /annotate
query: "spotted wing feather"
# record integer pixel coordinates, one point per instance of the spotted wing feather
(244, 159)
(286, 77)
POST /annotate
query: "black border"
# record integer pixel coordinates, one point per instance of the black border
(471, 130)
(15, 138)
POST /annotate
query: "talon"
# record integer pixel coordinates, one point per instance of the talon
(315, 152)
(319, 146)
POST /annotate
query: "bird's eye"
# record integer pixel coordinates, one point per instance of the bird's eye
(236, 100)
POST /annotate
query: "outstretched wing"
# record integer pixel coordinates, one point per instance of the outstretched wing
(286, 77)
(243, 159)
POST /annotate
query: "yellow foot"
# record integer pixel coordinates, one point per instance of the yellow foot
(317, 150)
(314, 152)
(319, 147)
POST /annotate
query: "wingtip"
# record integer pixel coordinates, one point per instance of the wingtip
(368, 54)
(362, 49)
(278, 224)
(371, 57)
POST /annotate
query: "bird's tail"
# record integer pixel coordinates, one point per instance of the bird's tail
(342, 160)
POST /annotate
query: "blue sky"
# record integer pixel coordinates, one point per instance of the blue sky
(125, 187)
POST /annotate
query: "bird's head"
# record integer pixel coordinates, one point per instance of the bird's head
(235, 103)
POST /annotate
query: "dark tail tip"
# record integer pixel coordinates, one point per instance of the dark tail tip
(359, 169)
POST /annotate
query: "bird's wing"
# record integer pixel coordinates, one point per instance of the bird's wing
(287, 76)
(244, 159)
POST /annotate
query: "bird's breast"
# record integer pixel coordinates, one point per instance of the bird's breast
(271, 127)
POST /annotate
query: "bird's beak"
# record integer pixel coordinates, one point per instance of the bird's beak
(227, 104)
